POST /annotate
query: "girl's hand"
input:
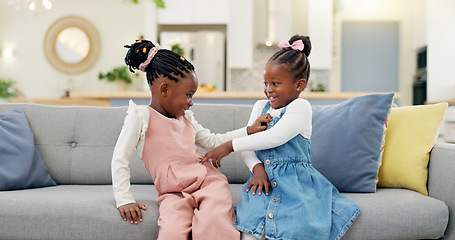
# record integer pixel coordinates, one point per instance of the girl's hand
(259, 180)
(260, 124)
(132, 212)
(218, 153)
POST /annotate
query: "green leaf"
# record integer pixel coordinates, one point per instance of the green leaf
(117, 74)
(178, 49)
(159, 3)
(6, 88)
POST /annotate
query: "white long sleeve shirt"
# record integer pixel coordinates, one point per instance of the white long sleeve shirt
(132, 136)
(296, 120)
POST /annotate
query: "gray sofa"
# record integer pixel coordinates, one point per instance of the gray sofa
(76, 144)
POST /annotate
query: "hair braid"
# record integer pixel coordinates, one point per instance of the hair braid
(165, 62)
(295, 61)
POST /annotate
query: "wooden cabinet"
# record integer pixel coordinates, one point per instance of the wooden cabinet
(240, 34)
(194, 12)
(237, 15)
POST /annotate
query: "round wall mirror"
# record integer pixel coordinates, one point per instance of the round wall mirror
(72, 44)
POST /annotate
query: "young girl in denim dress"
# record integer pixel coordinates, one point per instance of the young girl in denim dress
(293, 200)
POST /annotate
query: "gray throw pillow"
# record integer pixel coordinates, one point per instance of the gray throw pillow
(21, 166)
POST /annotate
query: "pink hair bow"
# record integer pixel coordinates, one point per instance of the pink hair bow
(296, 45)
(151, 54)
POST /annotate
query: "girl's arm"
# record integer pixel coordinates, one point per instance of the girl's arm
(296, 120)
(126, 143)
(249, 157)
(260, 180)
(208, 140)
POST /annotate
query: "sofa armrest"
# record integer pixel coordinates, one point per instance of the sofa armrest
(441, 180)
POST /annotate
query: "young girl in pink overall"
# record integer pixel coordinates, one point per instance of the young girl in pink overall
(194, 198)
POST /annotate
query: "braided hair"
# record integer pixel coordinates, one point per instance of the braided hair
(295, 61)
(165, 62)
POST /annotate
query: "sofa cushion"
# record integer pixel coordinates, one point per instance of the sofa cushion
(74, 212)
(76, 142)
(410, 137)
(346, 141)
(398, 214)
(228, 117)
(21, 165)
(83, 212)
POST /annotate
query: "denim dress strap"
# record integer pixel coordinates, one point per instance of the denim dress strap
(266, 109)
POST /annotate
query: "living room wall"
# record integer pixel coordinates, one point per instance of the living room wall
(118, 23)
(441, 49)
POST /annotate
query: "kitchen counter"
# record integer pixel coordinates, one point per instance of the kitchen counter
(65, 101)
(143, 97)
(215, 94)
(115, 99)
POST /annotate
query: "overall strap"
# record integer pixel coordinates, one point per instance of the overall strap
(283, 111)
(267, 107)
(274, 119)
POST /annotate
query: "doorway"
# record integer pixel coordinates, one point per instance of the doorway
(369, 57)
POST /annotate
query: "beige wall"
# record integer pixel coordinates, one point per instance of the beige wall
(118, 23)
(441, 50)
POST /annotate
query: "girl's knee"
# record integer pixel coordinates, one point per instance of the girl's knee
(175, 226)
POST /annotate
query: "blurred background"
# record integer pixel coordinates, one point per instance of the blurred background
(52, 49)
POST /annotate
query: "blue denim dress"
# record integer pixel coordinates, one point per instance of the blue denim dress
(302, 203)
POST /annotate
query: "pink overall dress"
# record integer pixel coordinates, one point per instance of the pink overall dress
(195, 200)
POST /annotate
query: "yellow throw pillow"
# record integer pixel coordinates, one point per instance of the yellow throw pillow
(411, 134)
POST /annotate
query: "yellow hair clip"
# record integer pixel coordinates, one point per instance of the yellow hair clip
(182, 58)
(144, 50)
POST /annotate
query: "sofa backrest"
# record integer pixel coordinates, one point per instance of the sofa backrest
(76, 143)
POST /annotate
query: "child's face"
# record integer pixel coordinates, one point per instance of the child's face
(179, 96)
(280, 87)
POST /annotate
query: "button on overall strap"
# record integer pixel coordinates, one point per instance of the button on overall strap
(275, 119)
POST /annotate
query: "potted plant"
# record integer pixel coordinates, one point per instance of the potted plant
(118, 74)
(178, 49)
(159, 3)
(319, 88)
(6, 89)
